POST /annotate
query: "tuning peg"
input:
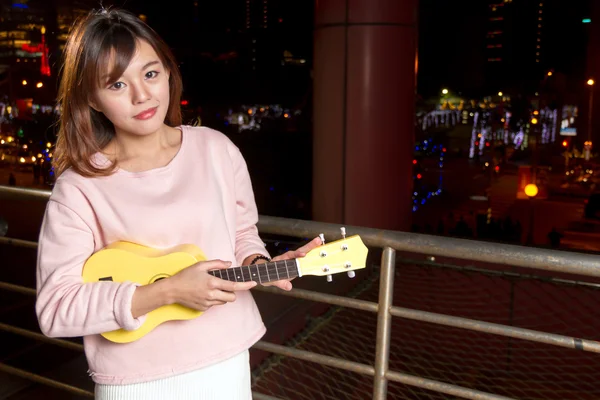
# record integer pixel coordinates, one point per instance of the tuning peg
(322, 237)
(351, 274)
(343, 230)
(329, 278)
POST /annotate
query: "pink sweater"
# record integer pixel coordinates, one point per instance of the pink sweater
(203, 196)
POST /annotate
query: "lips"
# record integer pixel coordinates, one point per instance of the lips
(146, 114)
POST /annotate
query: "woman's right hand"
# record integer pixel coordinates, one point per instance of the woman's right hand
(195, 288)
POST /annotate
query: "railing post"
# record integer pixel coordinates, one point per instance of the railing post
(384, 323)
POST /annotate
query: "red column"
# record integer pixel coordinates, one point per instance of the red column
(364, 113)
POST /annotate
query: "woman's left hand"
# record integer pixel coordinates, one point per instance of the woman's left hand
(286, 284)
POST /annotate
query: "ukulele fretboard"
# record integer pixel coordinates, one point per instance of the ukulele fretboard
(261, 273)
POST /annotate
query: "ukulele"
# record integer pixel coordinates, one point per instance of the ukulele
(125, 261)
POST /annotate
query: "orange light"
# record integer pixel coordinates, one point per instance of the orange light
(536, 112)
(565, 143)
(531, 190)
(590, 82)
(534, 121)
(549, 73)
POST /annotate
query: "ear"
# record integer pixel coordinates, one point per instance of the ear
(94, 105)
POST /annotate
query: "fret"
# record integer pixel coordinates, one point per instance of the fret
(258, 273)
(250, 273)
(267, 268)
(227, 272)
(287, 271)
(220, 274)
(277, 270)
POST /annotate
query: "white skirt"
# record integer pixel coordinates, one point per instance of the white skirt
(229, 379)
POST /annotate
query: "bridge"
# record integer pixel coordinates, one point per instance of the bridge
(429, 318)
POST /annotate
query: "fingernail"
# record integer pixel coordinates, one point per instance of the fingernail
(228, 262)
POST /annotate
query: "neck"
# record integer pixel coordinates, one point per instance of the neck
(127, 146)
(261, 273)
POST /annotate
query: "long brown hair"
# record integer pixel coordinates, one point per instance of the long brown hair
(84, 131)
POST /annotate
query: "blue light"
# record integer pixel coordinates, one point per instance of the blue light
(417, 148)
(20, 5)
(415, 208)
(422, 201)
(586, 20)
(272, 189)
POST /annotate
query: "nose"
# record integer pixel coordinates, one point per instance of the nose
(140, 93)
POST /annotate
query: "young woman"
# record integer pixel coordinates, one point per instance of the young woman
(128, 170)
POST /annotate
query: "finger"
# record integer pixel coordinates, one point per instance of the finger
(234, 286)
(288, 255)
(284, 285)
(316, 242)
(221, 295)
(214, 303)
(213, 264)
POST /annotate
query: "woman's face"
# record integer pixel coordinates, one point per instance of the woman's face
(138, 101)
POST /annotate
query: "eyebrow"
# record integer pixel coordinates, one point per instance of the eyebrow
(150, 64)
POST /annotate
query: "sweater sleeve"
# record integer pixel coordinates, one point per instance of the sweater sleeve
(65, 306)
(247, 241)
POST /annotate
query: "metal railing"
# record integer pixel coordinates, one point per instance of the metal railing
(391, 242)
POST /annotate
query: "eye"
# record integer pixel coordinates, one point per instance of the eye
(117, 86)
(151, 74)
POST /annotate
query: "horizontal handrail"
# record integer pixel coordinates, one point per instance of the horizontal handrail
(78, 391)
(11, 287)
(41, 337)
(304, 355)
(44, 381)
(390, 241)
(407, 313)
(18, 243)
(473, 250)
(21, 192)
(495, 253)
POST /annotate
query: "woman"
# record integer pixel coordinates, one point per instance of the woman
(129, 171)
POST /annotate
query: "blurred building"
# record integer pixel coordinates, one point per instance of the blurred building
(32, 36)
(524, 40)
(236, 51)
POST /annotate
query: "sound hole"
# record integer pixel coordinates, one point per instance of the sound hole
(158, 277)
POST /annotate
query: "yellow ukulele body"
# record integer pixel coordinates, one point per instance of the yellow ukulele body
(125, 261)
(130, 262)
